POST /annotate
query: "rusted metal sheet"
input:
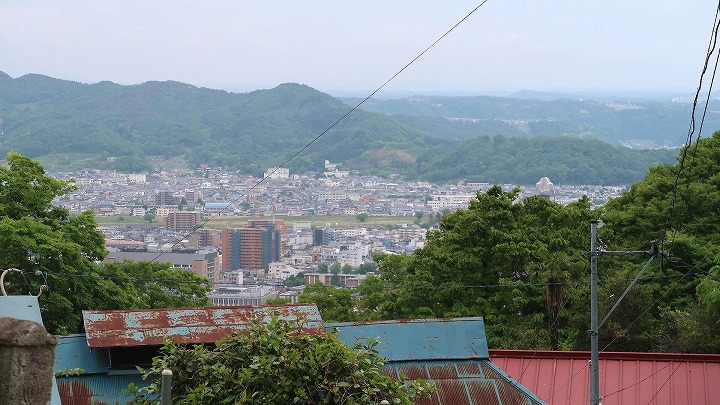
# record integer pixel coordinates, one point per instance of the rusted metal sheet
(188, 325)
(96, 390)
(469, 382)
(454, 392)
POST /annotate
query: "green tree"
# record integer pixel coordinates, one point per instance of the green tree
(62, 248)
(494, 259)
(149, 217)
(277, 301)
(294, 281)
(41, 237)
(362, 217)
(334, 304)
(687, 229)
(273, 364)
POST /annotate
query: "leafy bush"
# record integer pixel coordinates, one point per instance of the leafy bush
(274, 363)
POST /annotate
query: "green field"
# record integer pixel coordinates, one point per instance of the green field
(231, 221)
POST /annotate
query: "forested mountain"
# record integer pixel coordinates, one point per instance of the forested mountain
(640, 123)
(70, 125)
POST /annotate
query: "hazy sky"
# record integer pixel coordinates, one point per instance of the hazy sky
(336, 46)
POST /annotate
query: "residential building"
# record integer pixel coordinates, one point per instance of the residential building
(253, 247)
(182, 221)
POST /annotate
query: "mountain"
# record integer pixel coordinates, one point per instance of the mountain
(72, 125)
(640, 123)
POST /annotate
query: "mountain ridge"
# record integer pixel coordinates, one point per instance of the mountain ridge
(60, 120)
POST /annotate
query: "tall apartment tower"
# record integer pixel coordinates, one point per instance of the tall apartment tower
(165, 198)
(253, 247)
(182, 221)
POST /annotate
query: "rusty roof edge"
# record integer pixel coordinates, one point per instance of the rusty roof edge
(188, 325)
(585, 355)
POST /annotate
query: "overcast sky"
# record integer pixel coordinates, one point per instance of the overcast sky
(341, 46)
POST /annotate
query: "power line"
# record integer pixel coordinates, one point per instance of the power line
(689, 141)
(334, 124)
(691, 130)
(384, 288)
(557, 318)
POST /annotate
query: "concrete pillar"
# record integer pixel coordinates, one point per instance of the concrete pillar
(27, 353)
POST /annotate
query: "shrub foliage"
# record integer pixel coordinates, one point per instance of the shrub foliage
(274, 364)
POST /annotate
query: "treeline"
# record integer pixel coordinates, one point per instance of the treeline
(71, 125)
(565, 160)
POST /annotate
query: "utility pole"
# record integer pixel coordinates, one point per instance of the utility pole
(594, 324)
(594, 346)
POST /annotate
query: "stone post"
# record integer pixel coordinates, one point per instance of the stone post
(27, 353)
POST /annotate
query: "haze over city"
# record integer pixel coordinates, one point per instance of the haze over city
(353, 47)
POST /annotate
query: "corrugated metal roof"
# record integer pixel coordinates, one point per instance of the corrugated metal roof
(463, 382)
(186, 325)
(625, 378)
(97, 389)
(452, 353)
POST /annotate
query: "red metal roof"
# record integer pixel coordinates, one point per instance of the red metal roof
(625, 378)
(187, 325)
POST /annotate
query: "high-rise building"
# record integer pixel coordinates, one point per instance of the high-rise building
(165, 198)
(182, 221)
(253, 247)
(204, 238)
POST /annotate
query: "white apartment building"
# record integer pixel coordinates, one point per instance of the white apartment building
(281, 271)
(330, 195)
(164, 210)
(277, 173)
(450, 201)
(235, 296)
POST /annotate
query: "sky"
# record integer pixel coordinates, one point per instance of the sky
(343, 47)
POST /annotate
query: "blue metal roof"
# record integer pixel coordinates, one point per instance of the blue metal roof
(452, 353)
(420, 339)
(26, 307)
(98, 389)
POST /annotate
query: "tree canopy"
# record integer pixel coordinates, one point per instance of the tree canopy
(58, 249)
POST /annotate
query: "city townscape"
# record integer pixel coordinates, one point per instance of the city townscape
(183, 212)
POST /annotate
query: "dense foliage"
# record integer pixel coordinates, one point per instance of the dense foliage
(520, 160)
(274, 364)
(687, 310)
(55, 248)
(520, 265)
(500, 259)
(104, 125)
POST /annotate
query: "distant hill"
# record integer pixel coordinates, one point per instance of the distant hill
(637, 123)
(106, 125)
